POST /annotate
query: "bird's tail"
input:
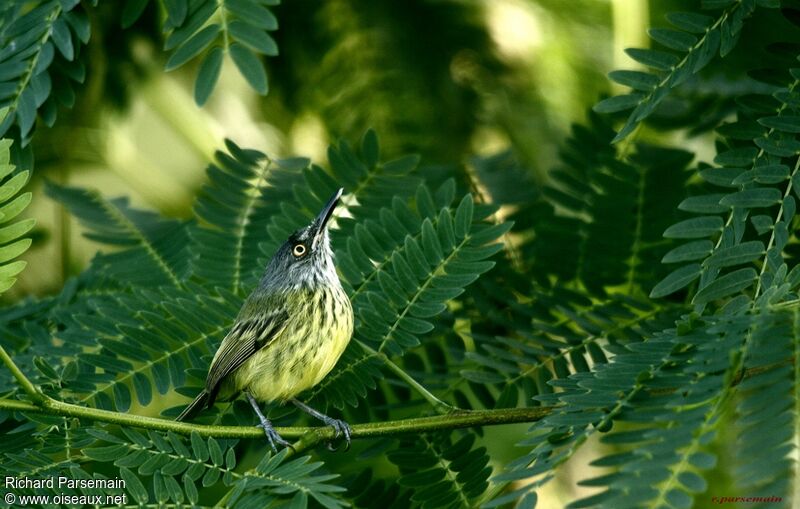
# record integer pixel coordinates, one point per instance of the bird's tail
(195, 407)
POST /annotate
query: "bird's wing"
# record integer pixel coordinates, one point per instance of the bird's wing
(248, 335)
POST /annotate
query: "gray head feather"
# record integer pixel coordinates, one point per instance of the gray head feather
(305, 260)
(287, 271)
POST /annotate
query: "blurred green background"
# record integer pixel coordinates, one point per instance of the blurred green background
(450, 80)
(446, 79)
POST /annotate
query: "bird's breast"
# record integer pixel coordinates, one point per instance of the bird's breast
(317, 331)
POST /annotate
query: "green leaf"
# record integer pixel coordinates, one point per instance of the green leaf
(207, 76)
(673, 39)
(660, 60)
(16, 230)
(463, 216)
(690, 21)
(693, 482)
(9, 270)
(194, 22)
(778, 144)
(690, 251)
(13, 250)
(199, 447)
(637, 80)
(703, 204)
(771, 174)
(132, 11)
(695, 228)
(735, 255)
(143, 389)
(176, 11)
(679, 499)
(370, 148)
(13, 185)
(12, 205)
(134, 486)
(703, 460)
(738, 157)
(251, 67)
(676, 280)
(785, 123)
(63, 38)
(618, 103)
(762, 223)
(162, 257)
(253, 13)
(106, 453)
(726, 285)
(193, 47)
(256, 39)
(754, 197)
(724, 177)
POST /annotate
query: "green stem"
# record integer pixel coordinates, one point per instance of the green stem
(438, 405)
(312, 435)
(777, 220)
(33, 392)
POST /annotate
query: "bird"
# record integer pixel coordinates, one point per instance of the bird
(289, 333)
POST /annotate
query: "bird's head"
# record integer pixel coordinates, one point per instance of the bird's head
(305, 259)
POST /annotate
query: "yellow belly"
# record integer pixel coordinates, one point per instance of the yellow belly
(301, 356)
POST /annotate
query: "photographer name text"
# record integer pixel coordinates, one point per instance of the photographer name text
(19, 483)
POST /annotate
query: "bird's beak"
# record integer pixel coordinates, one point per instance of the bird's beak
(321, 222)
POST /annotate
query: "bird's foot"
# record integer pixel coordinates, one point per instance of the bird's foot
(340, 429)
(273, 436)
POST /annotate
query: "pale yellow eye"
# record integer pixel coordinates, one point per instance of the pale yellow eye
(299, 250)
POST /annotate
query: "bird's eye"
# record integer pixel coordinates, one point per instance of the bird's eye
(298, 250)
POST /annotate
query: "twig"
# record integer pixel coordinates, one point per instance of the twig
(33, 392)
(463, 419)
(438, 405)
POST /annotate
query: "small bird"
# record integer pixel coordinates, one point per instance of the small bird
(289, 333)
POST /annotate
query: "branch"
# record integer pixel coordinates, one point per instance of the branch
(438, 405)
(33, 392)
(310, 435)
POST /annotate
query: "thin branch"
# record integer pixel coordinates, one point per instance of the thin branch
(438, 405)
(462, 419)
(33, 392)
(786, 193)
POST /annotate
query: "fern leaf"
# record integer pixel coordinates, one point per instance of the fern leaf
(572, 341)
(178, 468)
(681, 410)
(233, 217)
(280, 196)
(275, 476)
(696, 38)
(209, 29)
(592, 402)
(767, 416)
(12, 203)
(156, 253)
(51, 30)
(594, 224)
(755, 176)
(148, 342)
(442, 473)
(366, 491)
(369, 184)
(427, 273)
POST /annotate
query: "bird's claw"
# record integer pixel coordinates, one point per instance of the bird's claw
(340, 428)
(274, 437)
